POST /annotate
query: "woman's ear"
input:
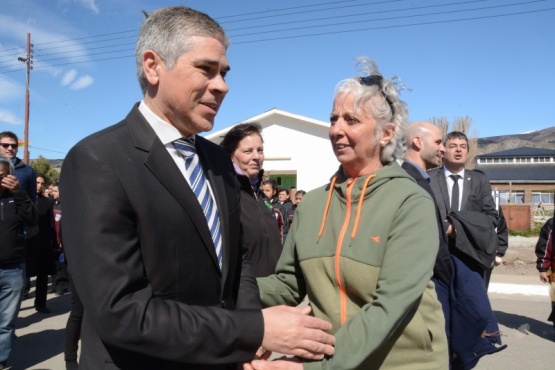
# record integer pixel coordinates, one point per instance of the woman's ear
(387, 134)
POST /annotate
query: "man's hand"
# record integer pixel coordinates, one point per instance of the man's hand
(289, 330)
(10, 183)
(544, 277)
(283, 363)
(451, 232)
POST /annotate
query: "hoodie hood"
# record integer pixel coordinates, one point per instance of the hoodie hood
(352, 191)
(385, 174)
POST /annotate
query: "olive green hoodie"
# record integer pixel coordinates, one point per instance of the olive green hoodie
(366, 263)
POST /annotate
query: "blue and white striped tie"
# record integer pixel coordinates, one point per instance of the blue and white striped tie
(197, 180)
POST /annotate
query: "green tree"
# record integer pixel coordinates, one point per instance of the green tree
(43, 166)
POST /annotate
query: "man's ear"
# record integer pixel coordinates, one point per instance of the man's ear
(151, 67)
(417, 142)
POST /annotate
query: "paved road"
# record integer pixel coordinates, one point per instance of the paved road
(521, 305)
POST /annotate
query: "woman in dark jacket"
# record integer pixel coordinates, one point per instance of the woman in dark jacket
(261, 234)
(41, 246)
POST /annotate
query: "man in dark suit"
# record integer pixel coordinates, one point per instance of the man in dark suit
(156, 292)
(425, 151)
(458, 190)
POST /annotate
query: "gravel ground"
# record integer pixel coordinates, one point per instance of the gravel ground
(520, 258)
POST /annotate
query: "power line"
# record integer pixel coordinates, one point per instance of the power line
(293, 7)
(242, 20)
(353, 15)
(325, 33)
(78, 50)
(89, 37)
(394, 26)
(73, 41)
(312, 11)
(48, 150)
(90, 42)
(390, 18)
(85, 55)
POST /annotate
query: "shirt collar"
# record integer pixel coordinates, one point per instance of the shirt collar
(449, 173)
(420, 169)
(164, 130)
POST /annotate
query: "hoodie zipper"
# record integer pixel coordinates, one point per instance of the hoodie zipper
(2, 211)
(342, 293)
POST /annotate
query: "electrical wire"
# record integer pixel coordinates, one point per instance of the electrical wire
(296, 29)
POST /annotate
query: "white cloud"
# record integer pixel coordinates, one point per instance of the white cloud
(10, 89)
(90, 4)
(50, 35)
(82, 83)
(9, 118)
(69, 77)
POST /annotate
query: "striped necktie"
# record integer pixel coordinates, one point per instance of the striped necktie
(198, 183)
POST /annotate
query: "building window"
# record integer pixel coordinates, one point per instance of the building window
(516, 197)
(542, 197)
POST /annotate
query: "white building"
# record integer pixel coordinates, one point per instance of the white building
(297, 149)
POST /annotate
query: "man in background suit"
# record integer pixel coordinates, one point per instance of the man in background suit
(474, 195)
(425, 151)
(155, 291)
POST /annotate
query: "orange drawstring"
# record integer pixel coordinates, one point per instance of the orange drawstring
(327, 207)
(355, 227)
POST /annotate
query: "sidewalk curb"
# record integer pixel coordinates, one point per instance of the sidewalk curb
(523, 289)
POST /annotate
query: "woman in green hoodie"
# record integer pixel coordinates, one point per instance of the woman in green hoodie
(362, 247)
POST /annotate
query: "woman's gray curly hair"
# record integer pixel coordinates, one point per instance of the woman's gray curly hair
(386, 107)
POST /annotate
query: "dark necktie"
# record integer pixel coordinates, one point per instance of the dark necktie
(198, 183)
(455, 193)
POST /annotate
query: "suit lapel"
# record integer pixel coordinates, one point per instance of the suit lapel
(219, 192)
(444, 190)
(160, 163)
(466, 187)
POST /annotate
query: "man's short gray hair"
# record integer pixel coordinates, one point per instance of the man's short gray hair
(168, 32)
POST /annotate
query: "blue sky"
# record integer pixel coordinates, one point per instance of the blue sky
(490, 60)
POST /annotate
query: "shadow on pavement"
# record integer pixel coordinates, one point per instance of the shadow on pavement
(526, 325)
(40, 336)
(27, 353)
(59, 305)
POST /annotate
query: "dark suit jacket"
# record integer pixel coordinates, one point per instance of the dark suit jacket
(476, 196)
(443, 265)
(143, 261)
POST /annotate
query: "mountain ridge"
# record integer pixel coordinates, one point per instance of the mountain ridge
(544, 139)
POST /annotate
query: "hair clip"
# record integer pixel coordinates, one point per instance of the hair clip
(377, 80)
(371, 80)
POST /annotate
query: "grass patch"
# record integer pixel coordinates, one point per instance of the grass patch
(534, 232)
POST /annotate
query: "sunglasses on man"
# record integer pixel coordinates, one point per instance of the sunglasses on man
(6, 145)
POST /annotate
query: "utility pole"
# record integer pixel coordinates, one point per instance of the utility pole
(29, 62)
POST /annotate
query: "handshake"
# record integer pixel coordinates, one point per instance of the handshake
(303, 336)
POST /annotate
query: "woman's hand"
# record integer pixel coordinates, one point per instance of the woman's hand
(283, 363)
(261, 354)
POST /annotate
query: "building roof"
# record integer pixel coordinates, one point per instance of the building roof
(520, 152)
(263, 119)
(521, 172)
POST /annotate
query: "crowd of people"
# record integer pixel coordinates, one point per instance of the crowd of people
(192, 259)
